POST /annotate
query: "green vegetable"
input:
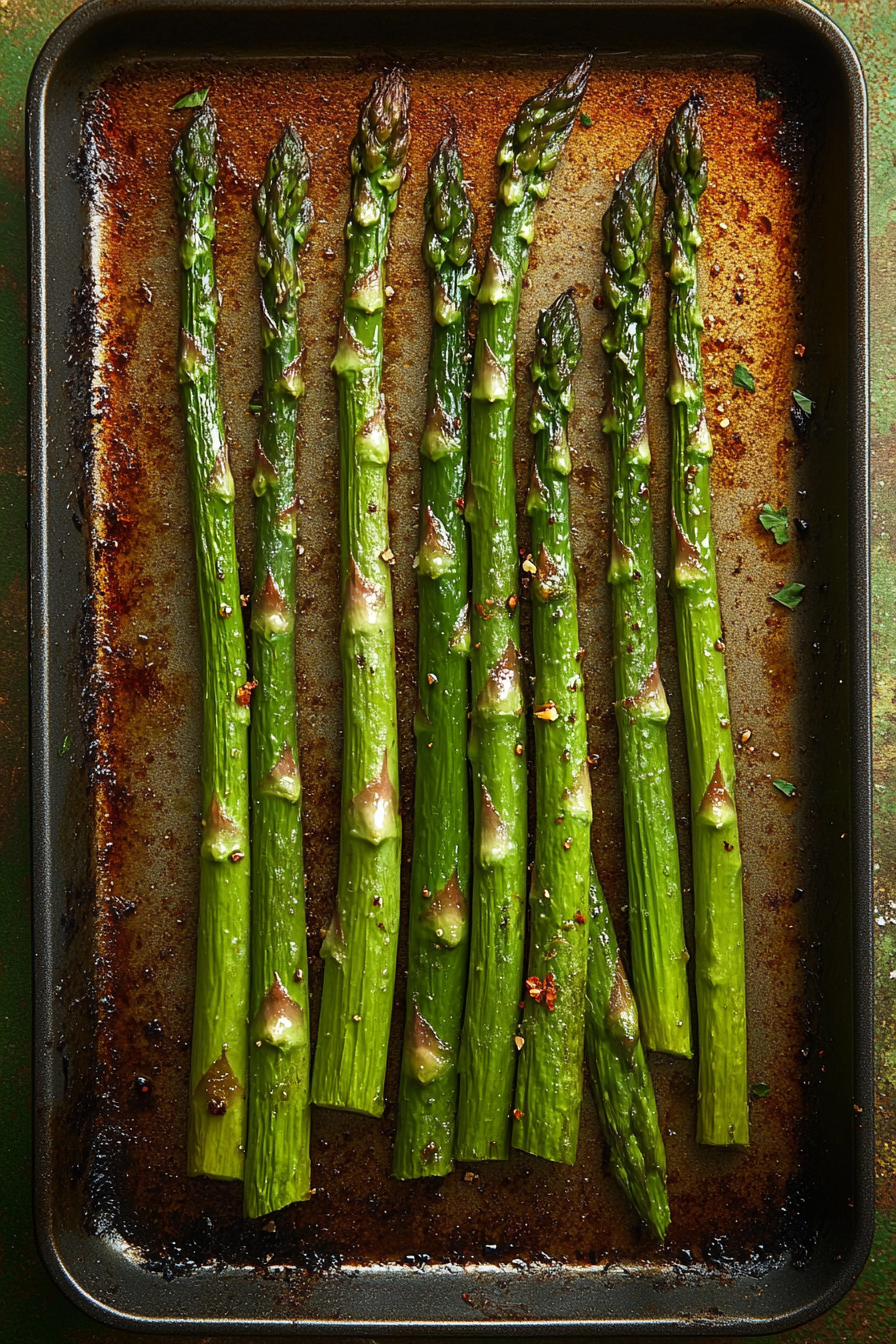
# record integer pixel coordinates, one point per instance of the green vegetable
(528, 152)
(659, 956)
(585, 120)
(760, 1090)
(438, 943)
(195, 99)
(804, 403)
(218, 1070)
(620, 1080)
(278, 1163)
(360, 947)
(784, 787)
(776, 522)
(790, 595)
(66, 746)
(549, 1084)
(742, 377)
(722, 1113)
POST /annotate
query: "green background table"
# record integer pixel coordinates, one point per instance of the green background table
(31, 1309)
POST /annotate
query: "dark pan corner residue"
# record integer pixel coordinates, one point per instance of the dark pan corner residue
(125, 1005)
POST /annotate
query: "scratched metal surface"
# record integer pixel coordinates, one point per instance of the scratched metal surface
(868, 1314)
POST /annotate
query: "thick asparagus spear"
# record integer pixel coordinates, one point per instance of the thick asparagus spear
(360, 947)
(549, 1084)
(656, 922)
(278, 1163)
(440, 875)
(620, 1080)
(217, 1125)
(528, 152)
(718, 894)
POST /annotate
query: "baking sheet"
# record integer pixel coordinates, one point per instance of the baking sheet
(492, 1236)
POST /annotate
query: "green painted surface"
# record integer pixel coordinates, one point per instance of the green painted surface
(31, 1309)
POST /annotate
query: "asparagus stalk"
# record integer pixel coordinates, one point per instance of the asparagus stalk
(360, 947)
(218, 1069)
(718, 894)
(620, 1080)
(659, 955)
(549, 1084)
(528, 151)
(440, 874)
(278, 1162)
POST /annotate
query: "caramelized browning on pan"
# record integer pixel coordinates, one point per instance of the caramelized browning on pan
(145, 693)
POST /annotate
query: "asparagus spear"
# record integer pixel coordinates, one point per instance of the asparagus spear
(440, 875)
(217, 1125)
(549, 1084)
(718, 895)
(656, 922)
(620, 1080)
(360, 947)
(278, 1163)
(528, 151)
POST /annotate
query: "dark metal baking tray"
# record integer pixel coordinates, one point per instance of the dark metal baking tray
(760, 1240)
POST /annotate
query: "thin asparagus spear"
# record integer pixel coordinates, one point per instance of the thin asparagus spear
(722, 1116)
(659, 955)
(440, 876)
(360, 947)
(528, 152)
(218, 1068)
(620, 1080)
(278, 1163)
(549, 1083)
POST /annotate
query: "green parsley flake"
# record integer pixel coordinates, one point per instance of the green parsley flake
(760, 1090)
(585, 120)
(743, 378)
(194, 99)
(784, 786)
(776, 522)
(803, 402)
(791, 595)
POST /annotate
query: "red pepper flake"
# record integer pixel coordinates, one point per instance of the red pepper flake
(486, 615)
(512, 601)
(543, 991)
(244, 694)
(237, 856)
(459, 503)
(580, 918)
(799, 350)
(517, 1113)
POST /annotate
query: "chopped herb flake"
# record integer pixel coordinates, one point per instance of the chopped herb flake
(803, 402)
(785, 787)
(256, 404)
(66, 745)
(585, 120)
(194, 99)
(743, 378)
(776, 522)
(763, 95)
(760, 1090)
(791, 595)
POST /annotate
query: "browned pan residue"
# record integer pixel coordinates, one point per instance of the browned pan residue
(146, 796)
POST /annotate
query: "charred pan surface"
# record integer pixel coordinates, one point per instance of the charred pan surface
(144, 680)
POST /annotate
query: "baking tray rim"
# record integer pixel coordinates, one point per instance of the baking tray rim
(79, 24)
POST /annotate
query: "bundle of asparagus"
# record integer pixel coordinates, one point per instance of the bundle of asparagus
(360, 947)
(722, 1108)
(440, 875)
(278, 1167)
(218, 1069)
(659, 956)
(528, 153)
